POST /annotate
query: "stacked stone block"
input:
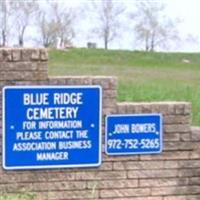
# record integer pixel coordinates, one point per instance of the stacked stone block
(21, 67)
(172, 175)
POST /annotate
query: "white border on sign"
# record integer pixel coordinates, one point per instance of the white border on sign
(52, 166)
(135, 115)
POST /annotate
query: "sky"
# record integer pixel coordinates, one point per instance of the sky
(187, 11)
(189, 29)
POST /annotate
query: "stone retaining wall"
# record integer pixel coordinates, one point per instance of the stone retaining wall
(172, 175)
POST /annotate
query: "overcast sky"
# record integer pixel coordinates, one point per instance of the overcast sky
(188, 11)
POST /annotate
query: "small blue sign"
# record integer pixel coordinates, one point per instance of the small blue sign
(133, 134)
(51, 126)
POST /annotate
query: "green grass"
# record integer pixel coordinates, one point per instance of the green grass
(21, 196)
(143, 76)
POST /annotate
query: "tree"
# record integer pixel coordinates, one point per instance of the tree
(107, 15)
(152, 26)
(5, 15)
(47, 30)
(23, 13)
(3, 22)
(56, 25)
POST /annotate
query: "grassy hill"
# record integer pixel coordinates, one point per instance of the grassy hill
(143, 76)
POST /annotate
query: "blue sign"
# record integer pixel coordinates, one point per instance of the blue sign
(51, 126)
(133, 134)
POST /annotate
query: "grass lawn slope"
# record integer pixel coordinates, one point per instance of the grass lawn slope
(143, 76)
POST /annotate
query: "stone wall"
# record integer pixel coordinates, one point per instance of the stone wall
(172, 175)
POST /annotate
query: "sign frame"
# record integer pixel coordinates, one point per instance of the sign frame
(134, 115)
(51, 166)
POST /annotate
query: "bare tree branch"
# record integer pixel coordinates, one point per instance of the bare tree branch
(152, 26)
(23, 13)
(59, 24)
(107, 14)
(5, 15)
